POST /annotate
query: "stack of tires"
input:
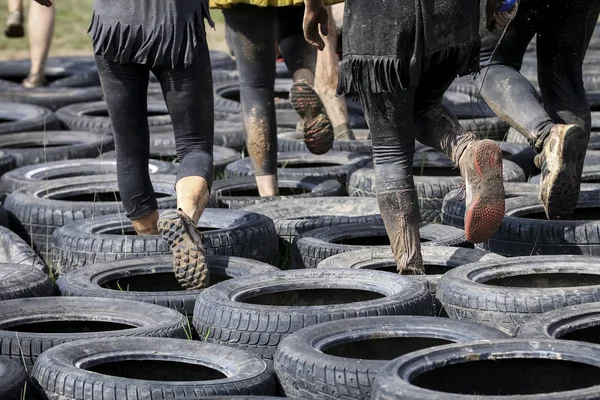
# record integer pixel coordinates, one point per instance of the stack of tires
(305, 300)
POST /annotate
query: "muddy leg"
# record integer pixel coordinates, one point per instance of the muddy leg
(400, 213)
(390, 118)
(41, 31)
(326, 79)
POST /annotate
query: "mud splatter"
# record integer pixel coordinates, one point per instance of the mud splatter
(258, 141)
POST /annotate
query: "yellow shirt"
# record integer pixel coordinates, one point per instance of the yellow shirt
(265, 3)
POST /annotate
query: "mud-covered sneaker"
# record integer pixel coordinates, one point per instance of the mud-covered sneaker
(14, 25)
(189, 262)
(481, 168)
(561, 162)
(318, 132)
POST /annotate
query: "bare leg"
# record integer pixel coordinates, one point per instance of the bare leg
(41, 30)
(192, 196)
(146, 225)
(267, 185)
(15, 5)
(14, 22)
(326, 80)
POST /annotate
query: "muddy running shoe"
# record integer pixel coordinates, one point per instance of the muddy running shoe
(189, 262)
(318, 132)
(561, 162)
(14, 25)
(481, 169)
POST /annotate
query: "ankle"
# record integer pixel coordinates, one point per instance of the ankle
(268, 185)
(146, 225)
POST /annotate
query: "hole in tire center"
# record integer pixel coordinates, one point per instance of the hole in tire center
(382, 348)
(157, 370)
(6, 120)
(285, 191)
(98, 197)
(312, 297)
(580, 214)
(590, 334)
(509, 377)
(104, 113)
(128, 230)
(68, 326)
(35, 145)
(304, 164)
(548, 280)
(381, 240)
(157, 282)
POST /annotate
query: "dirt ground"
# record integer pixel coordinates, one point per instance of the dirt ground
(72, 22)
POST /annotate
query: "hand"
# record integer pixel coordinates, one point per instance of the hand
(312, 19)
(46, 3)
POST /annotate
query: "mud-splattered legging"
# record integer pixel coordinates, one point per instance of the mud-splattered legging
(395, 121)
(189, 96)
(563, 29)
(252, 32)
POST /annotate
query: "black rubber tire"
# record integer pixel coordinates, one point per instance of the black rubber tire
(338, 164)
(18, 281)
(319, 244)
(302, 362)
(225, 193)
(453, 209)
(4, 221)
(14, 250)
(80, 80)
(140, 319)
(430, 189)
(26, 117)
(231, 91)
(93, 116)
(437, 261)
(7, 162)
(41, 210)
(52, 98)
(521, 236)
(590, 174)
(39, 147)
(220, 308)
(497, 366)
(96, 279)
(428, 159)
(32, 175)
(13, 379)
(578, 323)
(222, 157)
(56, 67)
(465, 295)
(246, 373)
(514, 136)
(291, 141)
(104, 238)
(293, 217)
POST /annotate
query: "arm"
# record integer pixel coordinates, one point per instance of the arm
(315, 15)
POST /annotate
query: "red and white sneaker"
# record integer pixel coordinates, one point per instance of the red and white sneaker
(481, 168)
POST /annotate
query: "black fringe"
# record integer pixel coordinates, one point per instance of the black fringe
(171, 44)
(392, 74)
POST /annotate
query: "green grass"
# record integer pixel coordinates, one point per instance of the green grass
(72, 22)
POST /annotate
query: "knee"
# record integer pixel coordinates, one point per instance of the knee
(393, 168)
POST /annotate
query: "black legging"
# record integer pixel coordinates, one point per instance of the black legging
(563, 29)
(252, 32)
(189, 96)
(397, 119)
